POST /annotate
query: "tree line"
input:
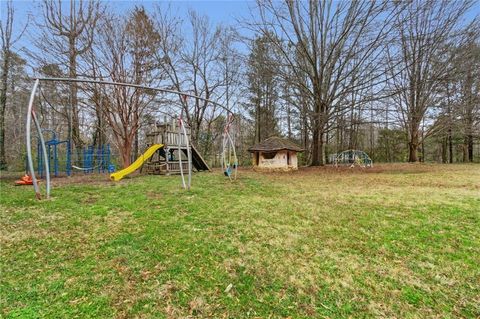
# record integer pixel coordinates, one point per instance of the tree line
(399, 80)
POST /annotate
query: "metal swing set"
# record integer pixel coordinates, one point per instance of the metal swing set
(229, 154)
(228, 144)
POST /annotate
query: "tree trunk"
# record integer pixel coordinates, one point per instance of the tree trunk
(126, 152)
(321, 149)
(450, 146)
(257, 124)
(99, 137)
(422, 159)
(304, 132)
(135, 147)
(413, 147)
(324, 153)
(341, 128)
(318, 148)
(316, 143)
(352, 136)
(289, 122)
(74, 122)
(470, 147)
(465, 150)
(444, 150)
(3, 106)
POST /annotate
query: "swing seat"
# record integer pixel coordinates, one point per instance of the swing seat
(228, 172)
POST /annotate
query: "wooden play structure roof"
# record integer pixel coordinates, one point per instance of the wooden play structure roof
(275, 144)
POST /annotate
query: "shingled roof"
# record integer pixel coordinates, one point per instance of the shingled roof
(274, 144)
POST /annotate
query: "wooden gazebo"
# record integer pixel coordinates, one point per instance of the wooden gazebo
(275, 153)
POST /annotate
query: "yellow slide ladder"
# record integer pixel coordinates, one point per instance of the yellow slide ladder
(137, 164)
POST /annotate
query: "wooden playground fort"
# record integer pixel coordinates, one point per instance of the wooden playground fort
(166, 160)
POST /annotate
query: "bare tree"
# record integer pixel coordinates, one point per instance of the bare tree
(8, 40)
(67, 33)
(425, 30)
(326, 43)
(197, 66)
(126, 53)
(469, 84)
(204, 77)
(17, 100)
(229, 93)
(264, 87)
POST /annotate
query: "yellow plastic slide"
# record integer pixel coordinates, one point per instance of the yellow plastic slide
(137, 164)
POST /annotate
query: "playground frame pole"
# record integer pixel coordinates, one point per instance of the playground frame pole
(228, 144)
(44, 148)
(182, 130)
(189, 156)
(31, 114)
(179, 140)
(135, 86)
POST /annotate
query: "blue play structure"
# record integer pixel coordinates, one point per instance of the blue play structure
(94, 159)
(52, 152)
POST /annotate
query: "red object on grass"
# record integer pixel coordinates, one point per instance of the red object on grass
(25, 180)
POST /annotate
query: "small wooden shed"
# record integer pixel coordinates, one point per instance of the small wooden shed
(275, 153)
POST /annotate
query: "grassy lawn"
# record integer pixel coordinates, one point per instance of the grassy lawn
(398, 241)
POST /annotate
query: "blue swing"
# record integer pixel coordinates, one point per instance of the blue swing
(228, 171)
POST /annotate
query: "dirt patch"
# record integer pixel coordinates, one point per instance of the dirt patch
(89, 179)
(95, 178)
(10, 176)
(376, 169)
(91, 198)
(154, 195)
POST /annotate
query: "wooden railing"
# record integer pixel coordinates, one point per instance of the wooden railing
(175, 166)
(169, 138)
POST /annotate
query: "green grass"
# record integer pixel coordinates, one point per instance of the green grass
(398, 241)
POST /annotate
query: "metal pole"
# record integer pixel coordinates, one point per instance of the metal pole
(224, 145)
(55, 158)
(68, 164)
(228, 144)
(234, 156)
(28, 139)
(30, 114)
(39, 159)
(189, 157)
(135, 86)
(46, 160)
(180, 151)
